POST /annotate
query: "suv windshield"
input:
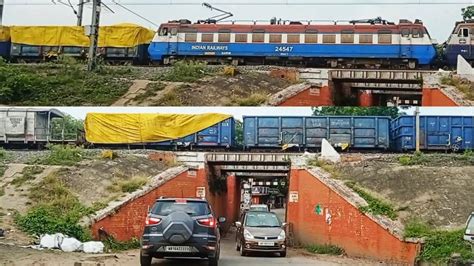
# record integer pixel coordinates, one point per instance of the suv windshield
(262, 219)
(193, 208)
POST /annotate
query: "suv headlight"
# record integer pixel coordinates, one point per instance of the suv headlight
(282, 235)
(247, 234)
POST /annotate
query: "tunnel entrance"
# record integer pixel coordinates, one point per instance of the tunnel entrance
(250, 179)
(376, 87)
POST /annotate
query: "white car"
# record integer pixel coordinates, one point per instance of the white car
(259, 208)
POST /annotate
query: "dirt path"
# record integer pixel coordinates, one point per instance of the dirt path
(138, 87)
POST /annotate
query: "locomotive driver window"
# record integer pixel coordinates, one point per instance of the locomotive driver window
(463, 32)
(164, 31)
(174, 31)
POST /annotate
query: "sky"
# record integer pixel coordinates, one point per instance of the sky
(238, 112)
(438, 18)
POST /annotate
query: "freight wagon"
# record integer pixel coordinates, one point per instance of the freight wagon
(117, 43)
(4, 42)
(165, 131)
(31, 127)
(436, 133)
(358, 132)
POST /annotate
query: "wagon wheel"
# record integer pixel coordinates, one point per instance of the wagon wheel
(455, 147)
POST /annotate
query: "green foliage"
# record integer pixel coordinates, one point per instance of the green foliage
(255, 99)
(65, 82)
(417, 158)
(71, 126)
(186, 71)
(61, 155)
(3, 155)
(128, 186)
(55, 210)
(3, 168)
(170, 98)
(28, 173)
(467, 12)
(239, 133)
(439, 244)
(358, 111)
(325, 165)
(114, 245)
(325, 249)
(375, 206)
(2, 190)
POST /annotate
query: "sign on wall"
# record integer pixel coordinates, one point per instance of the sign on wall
(293, 196)
(200, 192)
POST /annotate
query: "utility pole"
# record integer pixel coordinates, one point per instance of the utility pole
(94, 35)
(1, 11)
(417, 125)
(80, 12)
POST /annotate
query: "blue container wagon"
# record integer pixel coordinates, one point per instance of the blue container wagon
(436, 133)
(357, 132)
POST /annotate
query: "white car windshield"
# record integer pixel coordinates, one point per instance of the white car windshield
(262, 219)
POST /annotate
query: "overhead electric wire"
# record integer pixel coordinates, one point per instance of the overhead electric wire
(266, 3)
(135, 13)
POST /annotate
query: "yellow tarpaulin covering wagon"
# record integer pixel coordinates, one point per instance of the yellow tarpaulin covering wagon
(172, 130)
(122, 42)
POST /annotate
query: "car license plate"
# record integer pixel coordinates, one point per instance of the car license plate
(266, 244)
(178, 248)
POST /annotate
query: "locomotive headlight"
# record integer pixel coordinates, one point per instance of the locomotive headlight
(247, 235)
(282, 235)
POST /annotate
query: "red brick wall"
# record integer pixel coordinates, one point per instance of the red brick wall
(129, 220)
(435, 97)
(349, 228)
(311, 97)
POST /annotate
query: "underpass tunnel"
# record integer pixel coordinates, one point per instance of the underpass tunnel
(235, 185)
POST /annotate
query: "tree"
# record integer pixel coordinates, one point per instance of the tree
(72, 127)
(467, 13)
(239, 133)
(358, 111)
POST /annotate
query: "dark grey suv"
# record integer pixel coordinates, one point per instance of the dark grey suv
(178, 227)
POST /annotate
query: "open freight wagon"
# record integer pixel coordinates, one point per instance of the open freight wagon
(436, 133)
(357, 132)
(162, 131)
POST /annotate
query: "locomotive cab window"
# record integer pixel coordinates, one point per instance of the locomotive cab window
(174, 31)
(163, 31)
(405, 32)
(417, 33)
(463, 32)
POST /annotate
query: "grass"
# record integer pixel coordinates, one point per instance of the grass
(375, 206)
(151, 90)
(28, 173)
(417, 158)
(185, 71)
(113, 245)
(326, 166)
(462, 85)
(3, 168)
(64, 83)
(128, 186)
(55, 209)
(255, 99)
(439, 244)
(61, 155)
(2, 190)
(325, 249)
(3, 155)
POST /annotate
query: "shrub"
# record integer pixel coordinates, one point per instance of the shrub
(255, 99)
(61, 155)
(113, 245)
(128, 186)
(183, 71)
(439, 244)
(417, 158)
(55, 210)
(375, 206)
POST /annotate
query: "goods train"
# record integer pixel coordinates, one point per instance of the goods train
(219, 131)
(372, 43)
